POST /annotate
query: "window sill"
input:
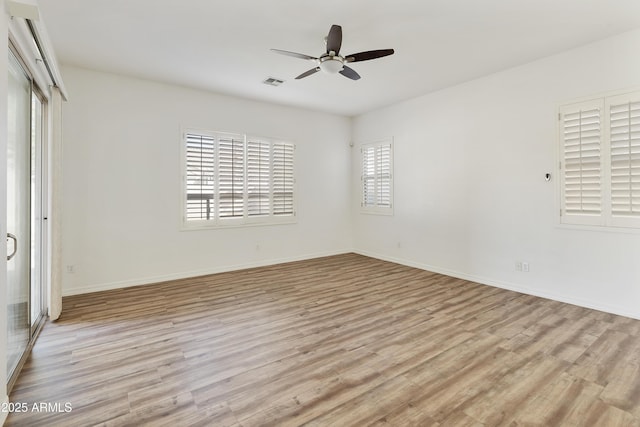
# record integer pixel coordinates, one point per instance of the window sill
(240, 223)
(598, 228)
(383, 212)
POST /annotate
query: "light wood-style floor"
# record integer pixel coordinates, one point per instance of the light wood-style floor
(337, 341)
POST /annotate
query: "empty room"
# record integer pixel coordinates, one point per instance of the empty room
(279, 213)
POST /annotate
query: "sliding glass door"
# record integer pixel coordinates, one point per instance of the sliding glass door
(24, 300)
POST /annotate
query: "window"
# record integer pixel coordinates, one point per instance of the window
(237, 179)
(377, 177)
(600, 161)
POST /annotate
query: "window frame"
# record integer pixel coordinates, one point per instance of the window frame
(245, 220)
(606, 220)
(375, 208)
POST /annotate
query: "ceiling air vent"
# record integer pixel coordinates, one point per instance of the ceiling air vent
(272, 81)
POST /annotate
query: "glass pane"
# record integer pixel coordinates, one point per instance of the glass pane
(36, 209)
(18, 212)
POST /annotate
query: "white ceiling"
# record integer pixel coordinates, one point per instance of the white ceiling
(223, 45)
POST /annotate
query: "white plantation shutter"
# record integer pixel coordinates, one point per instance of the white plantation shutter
(232, 179)
(258, 178)
(283, 179)
(624, 136)
(200, 162)
(383, 166)
(369, 176)
(581, 150)
(377, 177)
(231, 173)
(600, 161)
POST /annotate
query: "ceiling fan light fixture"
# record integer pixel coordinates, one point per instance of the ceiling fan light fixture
(331, 65)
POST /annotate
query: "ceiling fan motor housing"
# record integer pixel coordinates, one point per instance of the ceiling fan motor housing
(331, 64)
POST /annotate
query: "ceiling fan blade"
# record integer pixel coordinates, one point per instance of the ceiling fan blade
(370, 54)
(350, 73)
(308, 73)
(334, 39)
(294, 54)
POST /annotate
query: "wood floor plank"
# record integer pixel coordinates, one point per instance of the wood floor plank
(335, 341)
(564, 401)
(514, 389)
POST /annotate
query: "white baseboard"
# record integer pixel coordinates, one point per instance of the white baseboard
(595, 305)
(98, 287)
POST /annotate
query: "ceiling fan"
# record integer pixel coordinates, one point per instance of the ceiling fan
(332, 62)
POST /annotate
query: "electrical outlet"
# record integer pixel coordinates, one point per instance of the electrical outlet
(71, 269)
(518, 266)
(525, 267)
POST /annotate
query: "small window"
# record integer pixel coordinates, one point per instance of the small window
(377, 177)
(237, 179)
(600, 162)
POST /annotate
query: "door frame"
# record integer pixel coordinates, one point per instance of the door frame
(43, 195)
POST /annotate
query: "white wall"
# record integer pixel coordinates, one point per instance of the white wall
(122, 183)
(470, 194)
